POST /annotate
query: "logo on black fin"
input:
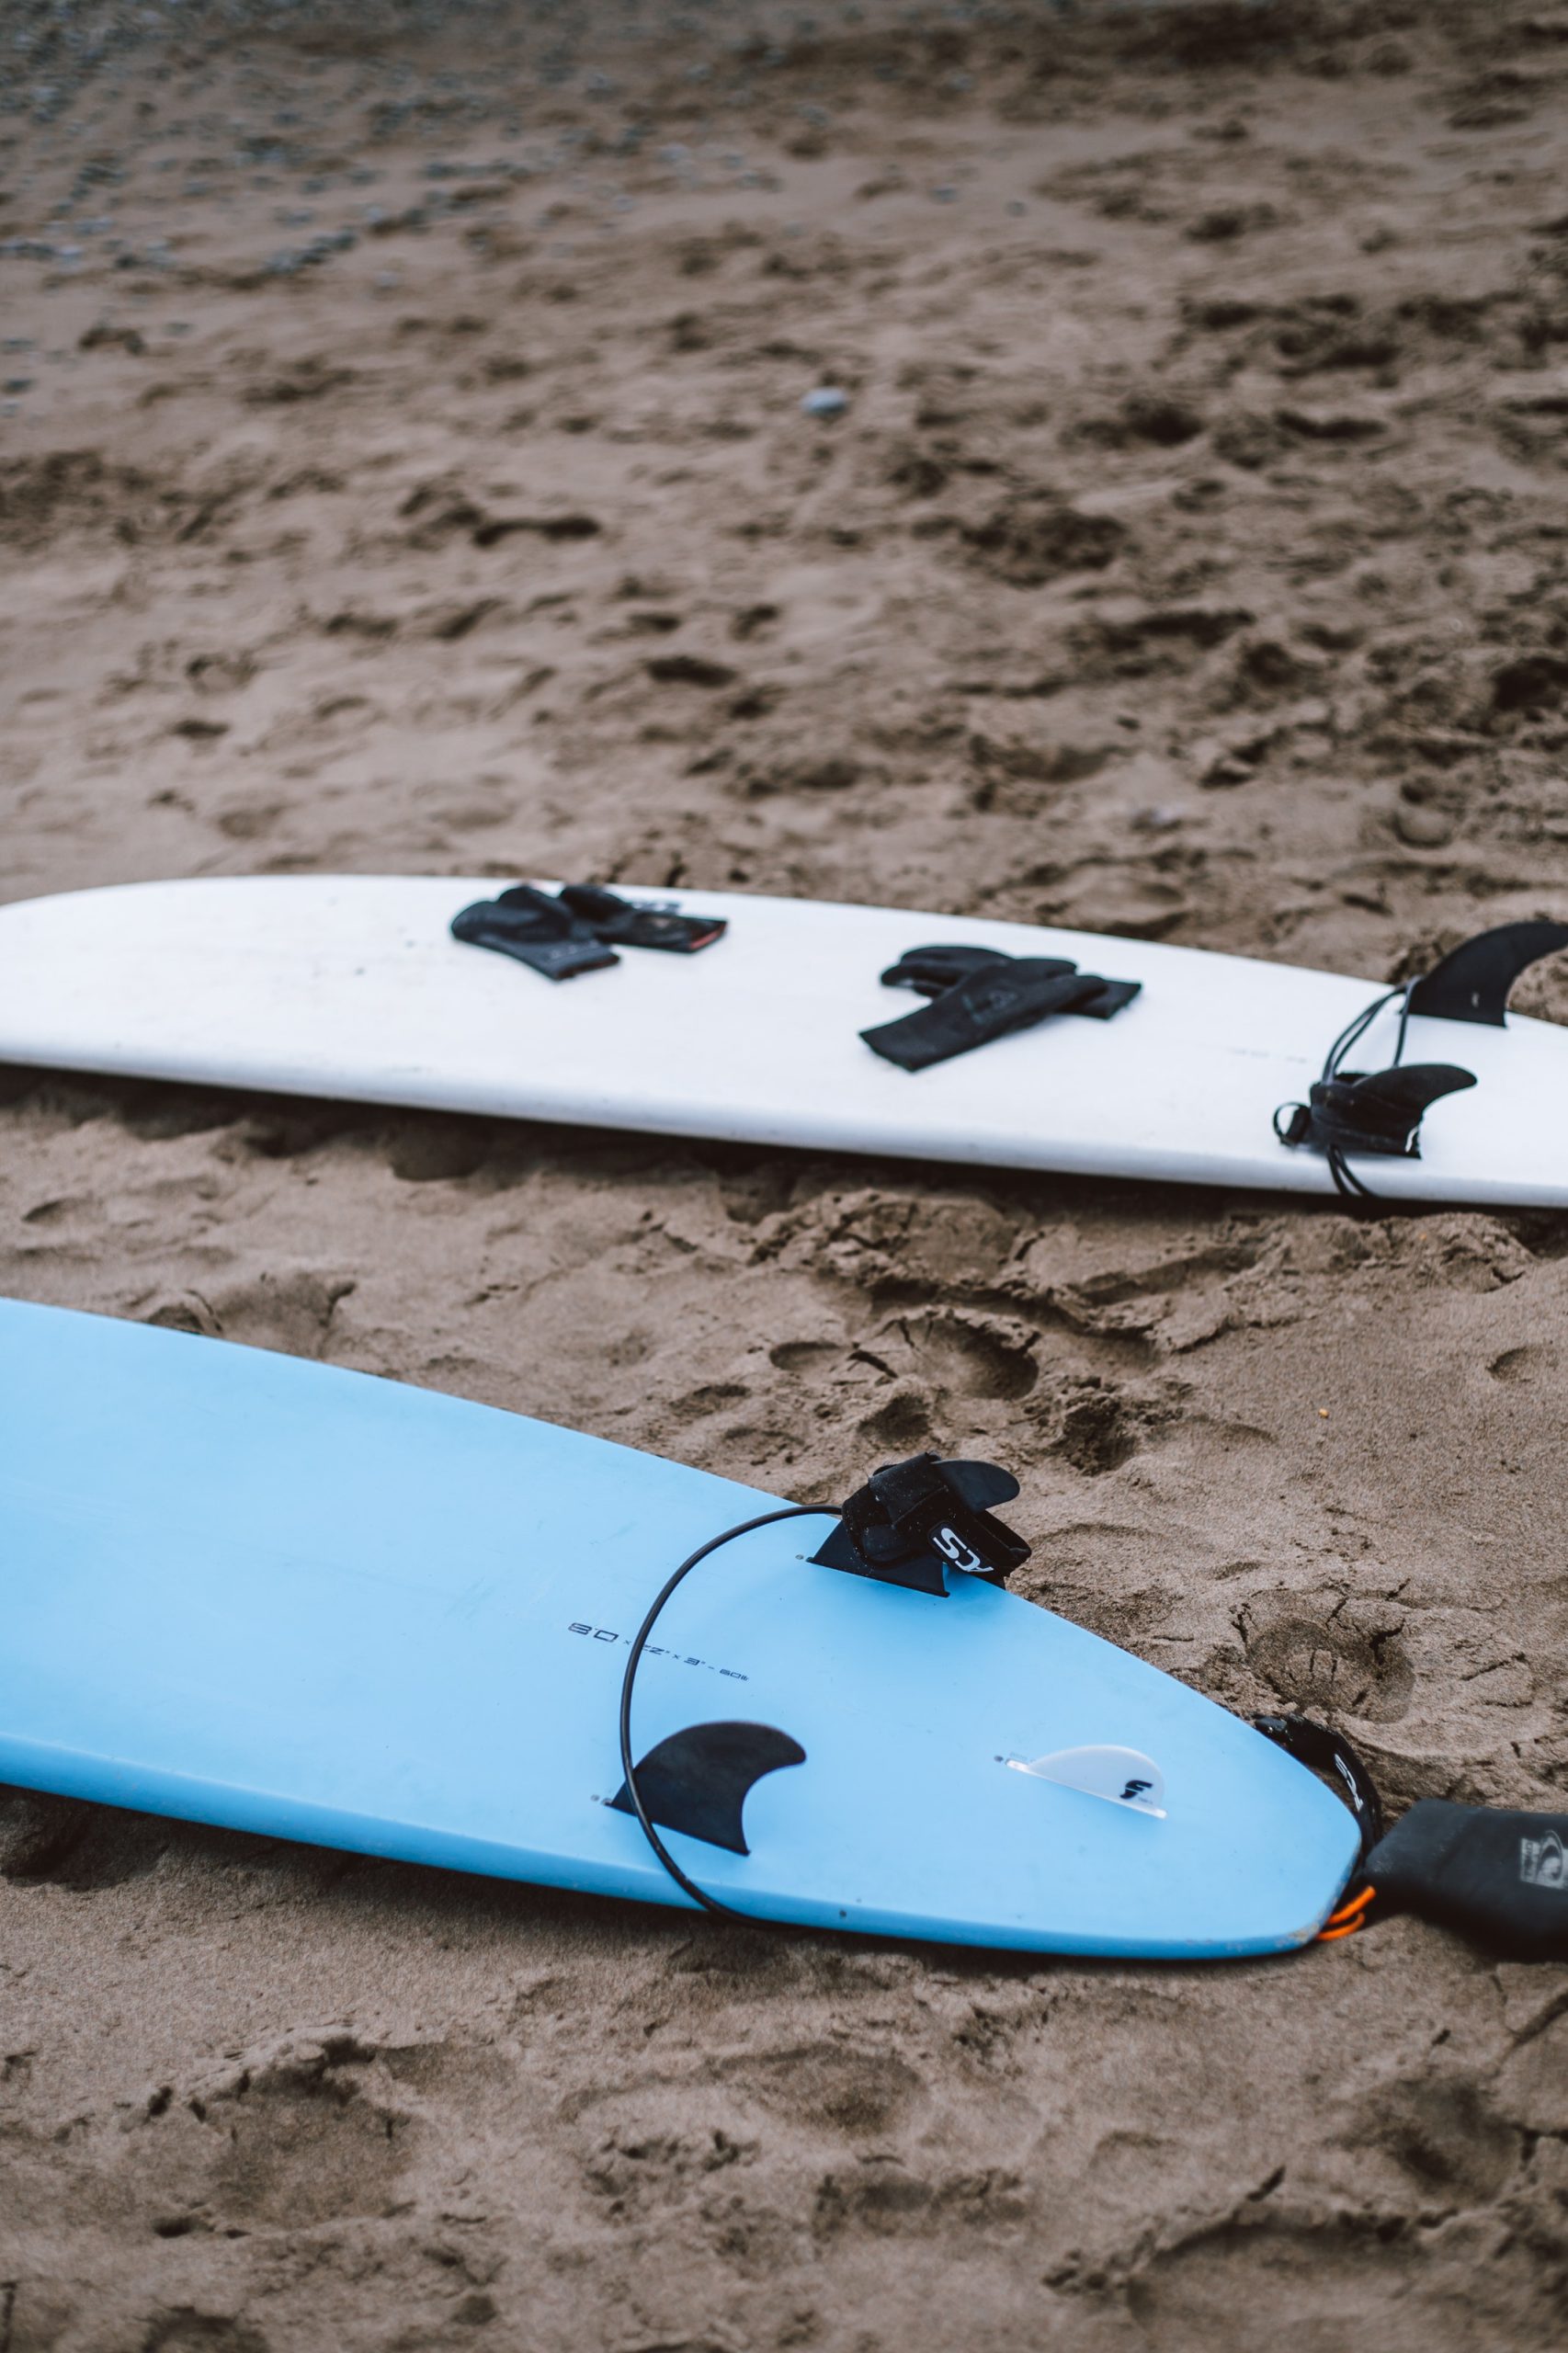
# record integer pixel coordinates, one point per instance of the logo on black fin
(697, 1781)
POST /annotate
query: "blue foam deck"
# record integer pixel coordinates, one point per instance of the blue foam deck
(246, 1590)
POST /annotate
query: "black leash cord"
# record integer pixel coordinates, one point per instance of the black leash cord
(1354, 1188)
(1346, 1180)
(1354, 1029)
(629, 1769)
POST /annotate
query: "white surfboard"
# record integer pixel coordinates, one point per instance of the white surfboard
(354, 988)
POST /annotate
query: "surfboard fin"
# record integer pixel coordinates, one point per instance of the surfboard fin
(1472, 981)
(1378, 1112)
(1121, 1776)
(697, 1781)
(914, 1519)
(577, 931)
(1381, 1112)
(978, 994)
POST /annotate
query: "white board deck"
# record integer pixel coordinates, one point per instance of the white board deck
(352, 987)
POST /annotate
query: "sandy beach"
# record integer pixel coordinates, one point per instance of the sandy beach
(402, 469)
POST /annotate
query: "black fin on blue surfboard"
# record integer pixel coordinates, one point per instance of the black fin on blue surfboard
(1473, 982)
(913, 1520)
(697, 1780)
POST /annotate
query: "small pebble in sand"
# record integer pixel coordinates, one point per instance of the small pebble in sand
(1421, 826)
(825, 401)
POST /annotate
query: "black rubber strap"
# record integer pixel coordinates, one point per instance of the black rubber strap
(1497, 1875)
(993, 998)
(578, 930)
(631, 1788)
(536, 930)
(1330, 1753)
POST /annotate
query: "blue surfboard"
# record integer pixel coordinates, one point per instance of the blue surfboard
(318, 1605)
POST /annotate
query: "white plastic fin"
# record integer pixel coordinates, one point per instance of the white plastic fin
(1123, 1775)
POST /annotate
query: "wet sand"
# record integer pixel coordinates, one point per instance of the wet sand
(402, 469)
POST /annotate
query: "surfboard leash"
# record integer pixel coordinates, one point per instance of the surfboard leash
(1497, 1874)
(638, 1643)
(1331, 1755)
(909, 1522)
(1379, 1112)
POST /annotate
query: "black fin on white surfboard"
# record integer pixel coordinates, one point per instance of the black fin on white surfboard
(1380, 1111)
(1473, 982)
(1374, 1111)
